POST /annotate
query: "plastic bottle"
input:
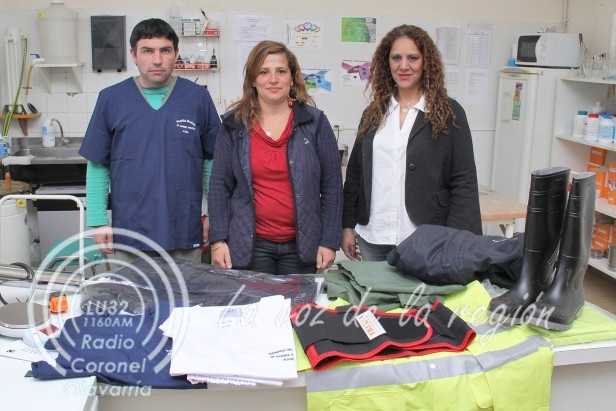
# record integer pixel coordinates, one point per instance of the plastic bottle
(605, 132)
(49, 135)
(4, 147)
(7, 181)
(597, 108)
(213, 60)
(592, 127)
(579, 126)
(58, 33)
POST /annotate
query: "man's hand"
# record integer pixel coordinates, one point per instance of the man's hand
(206, 229)
(103, 237)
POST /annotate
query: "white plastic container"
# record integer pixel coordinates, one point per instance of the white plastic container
(5, 147)
(592, 127)
(58, 32)
(15, 242)
(605, 133)
(579, 124)
(597, 108)
(49, 134)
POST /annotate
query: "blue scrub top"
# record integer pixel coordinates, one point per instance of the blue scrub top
(155, 159)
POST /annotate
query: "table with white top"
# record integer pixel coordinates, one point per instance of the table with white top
(583, 374)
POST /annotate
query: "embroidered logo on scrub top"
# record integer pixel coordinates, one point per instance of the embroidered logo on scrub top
(186, 126)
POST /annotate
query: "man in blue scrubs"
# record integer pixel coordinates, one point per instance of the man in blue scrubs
(150, 143)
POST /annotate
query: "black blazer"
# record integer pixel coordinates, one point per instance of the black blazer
(441, 179)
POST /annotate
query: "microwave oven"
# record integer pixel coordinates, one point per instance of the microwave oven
(548, 50)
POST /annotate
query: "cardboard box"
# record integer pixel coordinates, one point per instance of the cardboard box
(597, 156)
(602, 232)
(611, 197)
(597, 244)
(601, 186)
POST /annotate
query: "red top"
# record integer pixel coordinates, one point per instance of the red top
(273, 193)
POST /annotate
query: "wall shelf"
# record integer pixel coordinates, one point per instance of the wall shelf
(22, 119)
(76, 69)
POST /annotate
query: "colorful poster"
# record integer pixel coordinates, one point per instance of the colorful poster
(358, 30)
(354, 72)
(318, 81)
(305, 34)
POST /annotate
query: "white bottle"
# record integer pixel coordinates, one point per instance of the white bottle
(597, 108)
(49, 135)
(579, 124)
(606, 130)
(592, 127)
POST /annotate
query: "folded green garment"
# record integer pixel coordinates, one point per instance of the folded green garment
(376, 283)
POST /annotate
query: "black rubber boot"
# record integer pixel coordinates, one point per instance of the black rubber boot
(547, 201)
(563, 300)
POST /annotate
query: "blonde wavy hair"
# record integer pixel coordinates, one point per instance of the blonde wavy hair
(248, 108)
(382, 85)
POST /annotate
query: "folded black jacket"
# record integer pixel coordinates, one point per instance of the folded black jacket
(445, 255)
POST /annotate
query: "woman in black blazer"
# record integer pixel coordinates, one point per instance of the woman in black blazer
(412, 162)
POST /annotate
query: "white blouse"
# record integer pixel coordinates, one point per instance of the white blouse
(389, 222)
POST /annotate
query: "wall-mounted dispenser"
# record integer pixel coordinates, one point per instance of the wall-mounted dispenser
(108, 43)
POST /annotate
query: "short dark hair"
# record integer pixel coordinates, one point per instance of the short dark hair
(151, 28)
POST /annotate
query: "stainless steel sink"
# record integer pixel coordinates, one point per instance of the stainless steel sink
(50, 155)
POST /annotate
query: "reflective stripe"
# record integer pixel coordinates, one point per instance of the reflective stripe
(486, 329)
(393, 373)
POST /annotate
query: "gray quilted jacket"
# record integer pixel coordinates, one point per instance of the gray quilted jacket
(316, 177)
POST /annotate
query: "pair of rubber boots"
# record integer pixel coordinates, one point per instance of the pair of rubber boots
(558, 231)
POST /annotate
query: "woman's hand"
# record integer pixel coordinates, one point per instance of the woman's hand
(325, 257)
(221, 257)
(349, 244)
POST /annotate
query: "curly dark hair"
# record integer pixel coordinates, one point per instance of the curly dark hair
(382, 85)
(248, 109)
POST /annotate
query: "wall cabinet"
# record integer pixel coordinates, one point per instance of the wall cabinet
(573, 94)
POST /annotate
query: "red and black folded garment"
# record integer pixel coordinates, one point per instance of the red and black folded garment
(352, 333)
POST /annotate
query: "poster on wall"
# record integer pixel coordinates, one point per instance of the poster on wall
(305, 34)
(354, 72)
(252, 28)
(318, 81)
(358, 30)
(478, 47)
(448, 43)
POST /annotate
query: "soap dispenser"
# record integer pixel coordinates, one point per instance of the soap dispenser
(49, 135)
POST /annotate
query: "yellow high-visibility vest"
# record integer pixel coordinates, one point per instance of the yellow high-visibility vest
(505, 368)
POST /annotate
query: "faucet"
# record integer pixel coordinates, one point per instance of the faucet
(63, 139)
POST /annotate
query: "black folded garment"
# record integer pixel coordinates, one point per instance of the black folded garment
(444, 255)
(351, 333)
(139, 286)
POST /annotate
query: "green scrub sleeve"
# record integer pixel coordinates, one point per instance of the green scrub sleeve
(207, 172)
(97, 190)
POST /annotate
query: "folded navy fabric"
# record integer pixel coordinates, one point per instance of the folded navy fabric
(444, 255)
(116, 349)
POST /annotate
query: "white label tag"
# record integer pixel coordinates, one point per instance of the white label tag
(371, 326)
